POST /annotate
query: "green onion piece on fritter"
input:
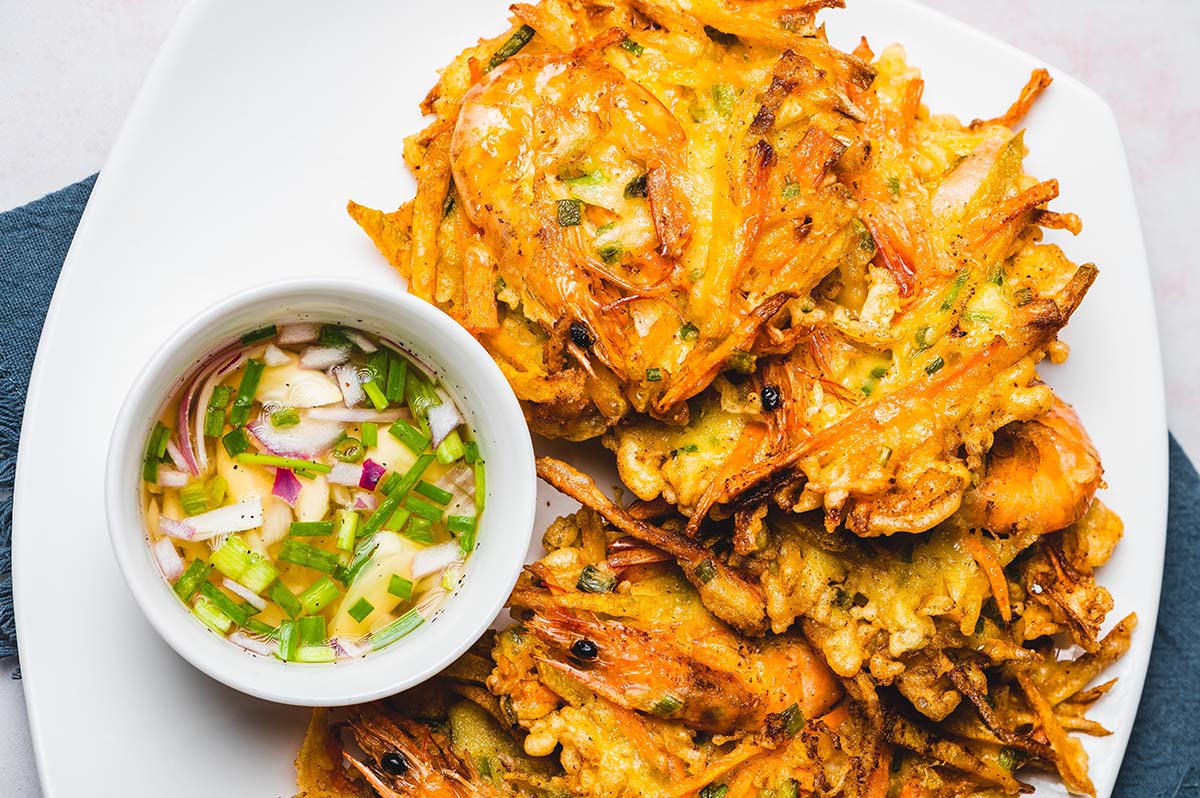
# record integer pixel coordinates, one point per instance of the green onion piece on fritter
(593, 580)
(569, 212)
(511, 47)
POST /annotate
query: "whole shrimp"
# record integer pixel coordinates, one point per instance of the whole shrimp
(691, 669)
(552, 161)
(1041, 476)
(405, 759)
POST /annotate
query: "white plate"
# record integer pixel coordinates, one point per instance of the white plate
(257, 123)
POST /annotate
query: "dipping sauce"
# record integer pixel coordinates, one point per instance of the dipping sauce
(312, 493)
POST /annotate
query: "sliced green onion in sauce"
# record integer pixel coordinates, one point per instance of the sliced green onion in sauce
(261, 334)
(244, 399)
(257, 458)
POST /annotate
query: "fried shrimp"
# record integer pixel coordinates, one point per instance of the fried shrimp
(406, 759)
(1041, 476)
(721, 684)
(530, 140)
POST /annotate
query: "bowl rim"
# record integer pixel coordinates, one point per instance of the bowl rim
(506, 525)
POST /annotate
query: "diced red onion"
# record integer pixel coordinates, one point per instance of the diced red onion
(371, 474)
(274, 356)
(168, 558)
(194, 379)
(253, 643)
(460, 481)
(355, 415)
(443, 418)
(287, 486)
(365, 500)
(345, 474)
(255, 600)
(307, 439)
(222, 365)
(435, 558)
(322, 357)
(298, 333)
(170, 477)
(360, 340)
(221, 521)
(176, 529)
(345, 647)
(347, 380)
(177, 456)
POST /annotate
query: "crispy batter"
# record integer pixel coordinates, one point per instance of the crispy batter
(641, 690)
(806, 314)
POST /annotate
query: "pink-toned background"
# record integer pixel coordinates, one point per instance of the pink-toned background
(70, 71)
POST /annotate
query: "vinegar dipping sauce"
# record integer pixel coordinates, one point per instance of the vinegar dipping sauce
(312, 492)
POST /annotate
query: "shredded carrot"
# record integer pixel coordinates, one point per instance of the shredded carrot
(1071, 759)
(739, 459)
(432, 185)
(835, 717)
(1011, 209)
(910, 107)
(701, 365)
(863, 50)
(1038, 82)
(993, 570)
(815, 155)
(891, 255)
(479, 280)
(877, 782)
(716, 770)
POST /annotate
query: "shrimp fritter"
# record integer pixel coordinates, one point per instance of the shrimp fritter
(617, 680)
(741, 256)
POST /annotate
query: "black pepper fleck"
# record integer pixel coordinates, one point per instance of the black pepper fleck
(581, 335)
(771, 399)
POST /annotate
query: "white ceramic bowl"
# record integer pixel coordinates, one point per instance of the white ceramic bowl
(486, 401)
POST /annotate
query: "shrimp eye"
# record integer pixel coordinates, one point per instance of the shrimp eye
(394, 763)
(771, 400)
(581, 335)
(585, 649)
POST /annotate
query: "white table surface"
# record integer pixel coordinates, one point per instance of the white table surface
(70, 71)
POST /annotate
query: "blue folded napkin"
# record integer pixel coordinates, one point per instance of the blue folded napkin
(1163, 759)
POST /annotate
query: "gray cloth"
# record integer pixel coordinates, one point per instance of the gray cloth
(1163, 759)
(33, 243)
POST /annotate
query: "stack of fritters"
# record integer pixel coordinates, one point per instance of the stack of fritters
(806, 315)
